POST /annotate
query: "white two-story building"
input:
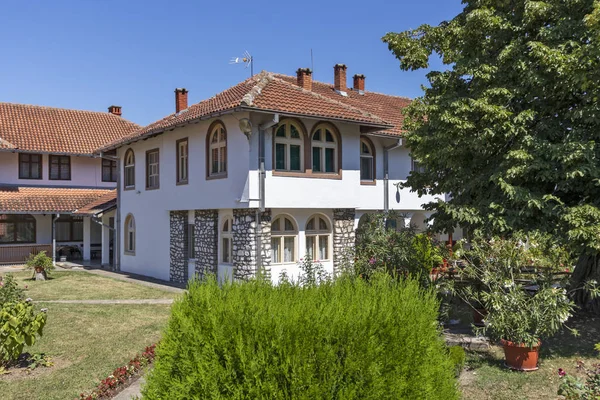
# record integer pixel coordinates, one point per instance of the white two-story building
(56, 194)
(271, 170)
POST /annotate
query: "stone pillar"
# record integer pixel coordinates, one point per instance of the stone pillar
(206, 245)
(344, 235)
(178, 269)
(87, 238)
(245, 243)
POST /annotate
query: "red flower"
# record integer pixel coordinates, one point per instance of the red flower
(561, 372)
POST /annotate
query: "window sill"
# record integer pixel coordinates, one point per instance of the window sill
(31, 179)
(284, 263)
(153, 188)
(309, 174)
(216, 176)
(369, 183)
(129, 188)
(181, 183)
(129, 253)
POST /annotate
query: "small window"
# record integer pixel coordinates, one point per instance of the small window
(318, 238)
(289, 148)
(227, 241)
(324, 150)
(129, 169)
(416, 166)
(217, 151)
(189, 238)
(60, 168)
(129, 234)
(367, 161)
(284, 237)
(109, 170)
(30, 166)
(152, 169)
(182, 161)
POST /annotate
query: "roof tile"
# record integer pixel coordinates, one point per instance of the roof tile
(48, 199)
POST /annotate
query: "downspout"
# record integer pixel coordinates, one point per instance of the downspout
(261, 188)
(117, 241)
(386, 175)
(54, 239)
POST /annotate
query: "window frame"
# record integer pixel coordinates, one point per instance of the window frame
(16, 219)
(71, 221)
(157, 175)
(226, 235)
(128, 248)
(40, 168)
(323, 144)
(129, 166)
(318, 233)
(178, 157)
(112, 165)
(212, 129)
(281, 235)
(369, 143)
(288, 141)
(415, 166)
(59, 158)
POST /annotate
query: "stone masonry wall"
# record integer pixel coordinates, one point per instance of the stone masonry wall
(344, 236)
(178, 270)
(206, 230)
(244, 242)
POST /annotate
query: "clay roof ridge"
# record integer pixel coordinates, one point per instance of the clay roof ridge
(262, 80)
(338, 103)
(69, 110)
(6, 144)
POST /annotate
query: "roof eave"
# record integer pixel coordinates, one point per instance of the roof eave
(17, 150)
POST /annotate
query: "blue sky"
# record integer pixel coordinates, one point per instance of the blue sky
(89, 54)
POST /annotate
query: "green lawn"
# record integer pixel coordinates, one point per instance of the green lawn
(86, 342)
(486, 378)
(81, 285)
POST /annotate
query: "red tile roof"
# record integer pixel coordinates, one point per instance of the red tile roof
(103, 203)
(47, 199)
(57, 130)
(277, 93)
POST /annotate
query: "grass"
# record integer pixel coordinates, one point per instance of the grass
(486, 378)
(81, 285)
(85, 342)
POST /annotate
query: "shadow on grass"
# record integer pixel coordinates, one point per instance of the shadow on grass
(565, 344)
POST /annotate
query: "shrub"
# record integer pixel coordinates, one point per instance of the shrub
(10, 292)
(457, 355)
(19, 326)
(41, 262)
(342, 339)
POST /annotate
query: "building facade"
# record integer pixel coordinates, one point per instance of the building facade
(268, 172)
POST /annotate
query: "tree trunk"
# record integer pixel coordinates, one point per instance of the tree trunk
(587, 268)
(40, 275)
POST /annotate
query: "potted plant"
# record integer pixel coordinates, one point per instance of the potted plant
(518, 305)
(41, 264)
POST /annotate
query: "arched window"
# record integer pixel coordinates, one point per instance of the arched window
(318, 233)
(367, 161)
(129, 169)
(217, 151)
(284, 234)
(227, 241)
(17, 228)
(289, 147)
(324, 150)
(129, 234)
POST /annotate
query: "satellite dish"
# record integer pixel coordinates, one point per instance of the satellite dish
(246, 127)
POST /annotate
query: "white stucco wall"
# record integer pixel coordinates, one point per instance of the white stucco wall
(85, 171)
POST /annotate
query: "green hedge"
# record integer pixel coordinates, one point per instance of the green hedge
(342, 340)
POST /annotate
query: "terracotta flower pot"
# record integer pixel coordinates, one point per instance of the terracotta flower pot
(520, 357)
(478, 315)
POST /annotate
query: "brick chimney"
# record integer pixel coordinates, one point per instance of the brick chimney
(304, 78)
(116, 110)
(181, 99)
(339, 77)
(359, 82)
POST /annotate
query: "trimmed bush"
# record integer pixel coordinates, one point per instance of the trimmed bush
(346, 339)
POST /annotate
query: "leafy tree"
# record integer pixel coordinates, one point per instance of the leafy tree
(511, 128)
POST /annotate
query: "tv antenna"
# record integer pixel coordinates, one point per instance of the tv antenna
(246, 59)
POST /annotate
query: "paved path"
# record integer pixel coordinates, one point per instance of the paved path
(133, 391)
(128, 301)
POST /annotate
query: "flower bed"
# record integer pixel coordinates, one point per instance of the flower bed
(121, 376)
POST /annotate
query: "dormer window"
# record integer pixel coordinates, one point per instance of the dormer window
(289, 148)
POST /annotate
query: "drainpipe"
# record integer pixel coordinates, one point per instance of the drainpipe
(261, 187)
(117, 241)
(54, 239)
(386, 175)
